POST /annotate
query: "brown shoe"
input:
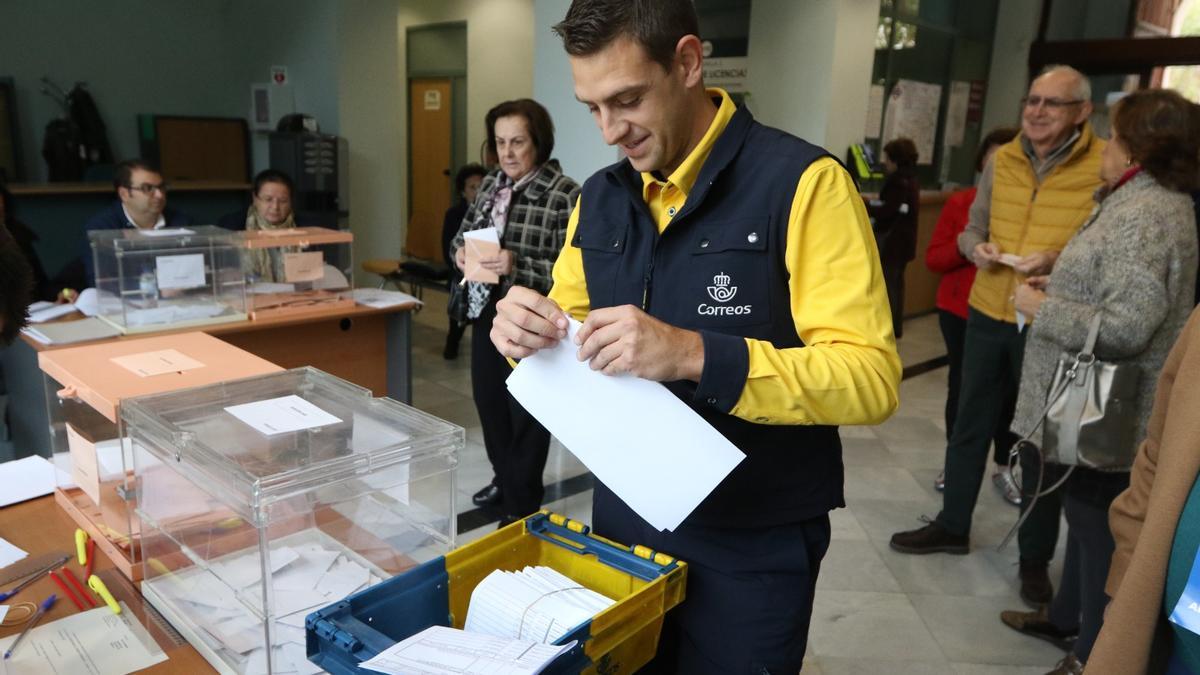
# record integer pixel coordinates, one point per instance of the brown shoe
(1070, 665)
(1036, 589)
(933, 538)
(1037, 624)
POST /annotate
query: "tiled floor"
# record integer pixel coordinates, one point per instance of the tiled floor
(876, 611)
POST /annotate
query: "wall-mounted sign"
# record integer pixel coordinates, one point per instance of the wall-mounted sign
(433, 99)
(728, 72)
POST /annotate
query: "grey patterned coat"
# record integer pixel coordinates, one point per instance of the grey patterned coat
(1134, 260)
(537, 224)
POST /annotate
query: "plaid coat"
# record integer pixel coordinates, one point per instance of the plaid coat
(537, 224)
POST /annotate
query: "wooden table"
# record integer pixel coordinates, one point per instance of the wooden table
(39, 526)
(369, 347)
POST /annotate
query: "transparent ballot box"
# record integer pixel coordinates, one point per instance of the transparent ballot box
(264, 499)
(297, 270)
(149, 280)
(85, 388)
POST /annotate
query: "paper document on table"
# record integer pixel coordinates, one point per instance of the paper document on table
(165, 232)
(439, 650)
(96, 642)
(483, 243)
(9, 554)
(633, 434)
(43, 313)
(27, 478)
(280, 415)
(381, 299)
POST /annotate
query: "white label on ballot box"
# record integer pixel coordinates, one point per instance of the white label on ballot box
(281, 415)
(308, 266)
(85, 470)
(149, 364)
(179, 271)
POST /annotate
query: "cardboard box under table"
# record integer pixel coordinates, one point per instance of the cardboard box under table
(262, 499)
(645, 585)
(152, 280)
(85, 389)
(291, 272)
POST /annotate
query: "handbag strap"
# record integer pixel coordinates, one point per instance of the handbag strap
(1089, 347)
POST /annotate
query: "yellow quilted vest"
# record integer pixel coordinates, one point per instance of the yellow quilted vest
(1027, 217)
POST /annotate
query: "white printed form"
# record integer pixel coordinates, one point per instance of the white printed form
(281, 415)
(179, 271)
(633, 434)
(149, 364)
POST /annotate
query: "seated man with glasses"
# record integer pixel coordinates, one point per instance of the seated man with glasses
(1033, 195)
(141, 202)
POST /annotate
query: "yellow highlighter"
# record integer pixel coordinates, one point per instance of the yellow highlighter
(95, 583)
(81, 545)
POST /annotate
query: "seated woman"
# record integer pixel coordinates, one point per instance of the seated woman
(271, 209)
(1133, 265)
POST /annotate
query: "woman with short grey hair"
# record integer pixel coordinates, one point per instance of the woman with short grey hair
(1133, 263)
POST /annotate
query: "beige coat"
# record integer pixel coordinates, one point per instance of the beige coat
(1144, 517)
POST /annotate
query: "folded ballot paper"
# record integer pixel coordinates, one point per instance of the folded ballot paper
(510, 621)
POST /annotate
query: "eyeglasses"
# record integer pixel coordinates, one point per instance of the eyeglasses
(1052, 103)
(148, 188)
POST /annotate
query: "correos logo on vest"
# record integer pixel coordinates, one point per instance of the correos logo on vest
(722, 291)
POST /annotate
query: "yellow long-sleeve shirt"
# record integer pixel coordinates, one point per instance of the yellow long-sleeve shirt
(848, 371)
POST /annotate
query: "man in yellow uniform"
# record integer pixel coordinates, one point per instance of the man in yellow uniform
(735, 264)
(1033, 196)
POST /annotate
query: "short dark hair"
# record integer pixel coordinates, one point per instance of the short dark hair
(656, 25)
(902, 151)
(541, 127)
(16, 287)
(123, 172)
(997, 136)
(1161, 131)
(465, 172)
(273, 176)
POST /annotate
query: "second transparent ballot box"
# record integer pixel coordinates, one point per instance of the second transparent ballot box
(85, 389)
(297, 270)
(262, 499)
(149, 280)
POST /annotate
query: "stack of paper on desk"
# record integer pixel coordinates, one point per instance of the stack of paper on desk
(439, 650)
(536, 603)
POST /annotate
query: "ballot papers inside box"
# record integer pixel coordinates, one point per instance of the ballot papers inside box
(296, 271)
(263, 499)
(642, 585)
(148, 280)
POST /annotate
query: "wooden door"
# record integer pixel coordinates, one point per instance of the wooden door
(429, 126)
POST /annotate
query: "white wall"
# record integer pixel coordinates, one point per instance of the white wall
(577, 141)
(1016, 27)
(810, 67)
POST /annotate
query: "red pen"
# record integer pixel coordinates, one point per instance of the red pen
(91, 557)
(66, 572)
(67, 590)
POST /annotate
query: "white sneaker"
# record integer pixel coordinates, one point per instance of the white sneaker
(1007, 485)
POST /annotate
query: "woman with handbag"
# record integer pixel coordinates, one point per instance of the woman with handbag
(1105, 318)
(529, 201)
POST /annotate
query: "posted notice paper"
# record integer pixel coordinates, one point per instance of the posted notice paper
(280, 415)
(483, 243)
(179, 271)
(149, 364)
(633, 434)
(96, 642)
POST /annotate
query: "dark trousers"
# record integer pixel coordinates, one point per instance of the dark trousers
(749, 591)
(954, 334)
(893, 279)
(516, 443)
(1081, 600)
(991, 374)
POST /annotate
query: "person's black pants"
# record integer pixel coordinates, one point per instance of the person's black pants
(1081, 599)
(749, 591)
(893, 279)
(516, 443)
(991, 374)
(954, 334)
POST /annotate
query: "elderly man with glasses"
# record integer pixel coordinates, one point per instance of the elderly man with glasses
(1032, 197)
(141, 203)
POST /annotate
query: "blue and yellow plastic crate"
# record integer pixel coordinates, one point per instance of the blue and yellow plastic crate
(621, 639)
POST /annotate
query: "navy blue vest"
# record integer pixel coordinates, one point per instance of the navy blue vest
(720, 269)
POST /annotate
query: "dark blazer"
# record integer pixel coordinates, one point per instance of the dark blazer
(894, 218)
(113, 218)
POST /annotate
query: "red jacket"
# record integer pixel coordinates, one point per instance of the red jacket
(943, 257)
